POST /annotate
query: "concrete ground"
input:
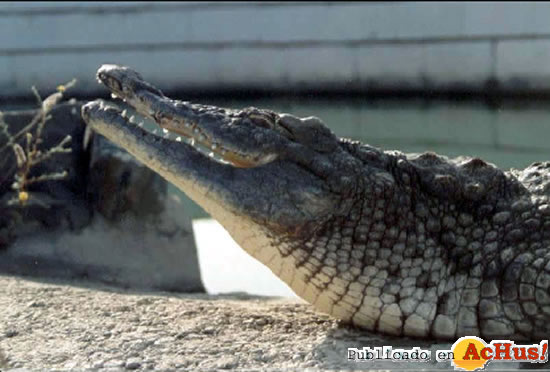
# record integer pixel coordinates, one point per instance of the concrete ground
(47, 325)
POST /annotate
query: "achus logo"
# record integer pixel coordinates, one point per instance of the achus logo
(471, 353)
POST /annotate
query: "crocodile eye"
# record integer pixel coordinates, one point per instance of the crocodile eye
(262, 121)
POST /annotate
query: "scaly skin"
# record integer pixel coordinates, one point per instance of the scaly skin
(413, 245)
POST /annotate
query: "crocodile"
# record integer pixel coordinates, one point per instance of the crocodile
(415, 245)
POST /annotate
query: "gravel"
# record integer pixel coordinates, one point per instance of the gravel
(81, 326)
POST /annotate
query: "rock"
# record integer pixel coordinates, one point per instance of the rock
(9, 333)
(111, 220)
(60, 202)
(227, 362)
(114, 363)
(8, 222)
(119, 184)
(98, 364)
(132, 364)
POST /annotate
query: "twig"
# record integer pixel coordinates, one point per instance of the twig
(27, 158)
(47, 177)
(57, 149)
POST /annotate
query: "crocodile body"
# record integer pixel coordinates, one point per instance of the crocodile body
(401, 244)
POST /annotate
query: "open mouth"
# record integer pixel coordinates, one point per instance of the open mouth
(208, 129)
(185, 133)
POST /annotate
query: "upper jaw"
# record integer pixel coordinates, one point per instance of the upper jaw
(128, 85)
(219, 130)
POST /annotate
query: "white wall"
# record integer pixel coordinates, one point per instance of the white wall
(277, 45)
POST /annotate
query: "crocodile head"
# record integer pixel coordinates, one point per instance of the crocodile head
(264, 176)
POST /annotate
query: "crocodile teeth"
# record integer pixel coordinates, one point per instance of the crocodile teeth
(114, 96)
(194, 137)
(87, 136)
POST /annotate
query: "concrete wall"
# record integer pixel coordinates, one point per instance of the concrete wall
(287, 46)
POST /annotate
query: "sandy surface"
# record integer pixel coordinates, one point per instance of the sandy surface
(75, 326)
